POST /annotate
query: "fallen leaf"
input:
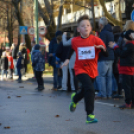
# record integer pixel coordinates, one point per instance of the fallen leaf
(18, 96)
(0, 124)
(7, 127)
(25, 111)
(116, 99)
(21, 87)
(49, 96)
(133, 130)
(57, 116)
(8, 97)
(68, 120)
(116, 121)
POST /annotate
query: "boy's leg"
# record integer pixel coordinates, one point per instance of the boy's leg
(55, 77)
(87, 92)
(2, 74)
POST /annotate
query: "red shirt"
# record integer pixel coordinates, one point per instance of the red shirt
(86, 55)
(10, 60)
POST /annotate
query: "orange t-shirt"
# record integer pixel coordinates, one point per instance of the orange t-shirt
(10, 60)
(86, 55)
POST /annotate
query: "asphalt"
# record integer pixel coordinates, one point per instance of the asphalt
(24, 110)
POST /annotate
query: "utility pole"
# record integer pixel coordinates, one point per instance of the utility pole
(36, 21)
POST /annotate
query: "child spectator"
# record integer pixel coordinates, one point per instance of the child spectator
(20, 66)
(126, 68)
(10, 64)
(4, 65)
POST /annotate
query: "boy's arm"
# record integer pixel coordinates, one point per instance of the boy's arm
(59, 50)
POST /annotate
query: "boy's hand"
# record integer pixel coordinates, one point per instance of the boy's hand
(100, 47)
(111, 44)
(56, 62)
(65, 63)
(132, 36)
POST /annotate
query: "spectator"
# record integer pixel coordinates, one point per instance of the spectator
(104, 80)
(62, 53)
(23, 50)
(11, 65)
(126, 68)
(4, 65)
(15, 49)
(38, 64)
(52, 61)
(20, 66)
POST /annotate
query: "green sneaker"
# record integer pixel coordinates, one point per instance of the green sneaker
(72, 105)
(91, 119)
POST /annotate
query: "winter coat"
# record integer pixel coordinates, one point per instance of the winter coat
(52, 49)
(20, 63)
(23, 50)
(126, 54)
(106, 35)
(4, 63)
(15, 52)
(62, 52)
(38, 61)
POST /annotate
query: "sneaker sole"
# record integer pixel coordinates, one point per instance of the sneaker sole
(94, 121)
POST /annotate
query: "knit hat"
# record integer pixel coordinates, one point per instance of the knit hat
(22, 44)
(127, 34)
(58, 33)
(37, 47)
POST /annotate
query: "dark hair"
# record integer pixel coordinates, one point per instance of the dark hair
(116, 29)
(33, 42)
(84, 17)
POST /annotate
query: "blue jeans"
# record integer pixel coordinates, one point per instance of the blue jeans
(56, 79)
(4, 72)
(15, 68)
(104, 80)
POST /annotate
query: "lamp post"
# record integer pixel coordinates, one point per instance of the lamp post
(36, 21)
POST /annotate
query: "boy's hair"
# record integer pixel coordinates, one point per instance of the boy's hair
(84, 17)
(59, 38)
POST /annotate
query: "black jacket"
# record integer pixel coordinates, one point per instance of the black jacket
(126, 54)
(15, 52)
(4, 63)
(62, 52)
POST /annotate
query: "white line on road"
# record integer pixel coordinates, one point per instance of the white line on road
(108, 104)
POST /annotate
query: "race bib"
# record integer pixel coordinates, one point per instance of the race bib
(86, 53)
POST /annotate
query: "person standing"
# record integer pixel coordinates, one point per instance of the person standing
(4, 65)
(15, 49)
(20, 66)
(52, 61)
(38, 64)
(126, 68)
(105, 64)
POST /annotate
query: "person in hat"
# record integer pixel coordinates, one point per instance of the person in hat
(126, 68)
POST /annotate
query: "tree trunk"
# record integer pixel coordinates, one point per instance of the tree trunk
(109, 16)
(93, 15)
(21, 23)
(59, 24)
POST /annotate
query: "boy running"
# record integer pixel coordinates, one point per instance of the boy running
(87, 48)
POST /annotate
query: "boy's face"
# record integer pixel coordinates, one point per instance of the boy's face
(84, 28)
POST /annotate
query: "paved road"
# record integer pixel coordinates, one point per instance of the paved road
(27, 111)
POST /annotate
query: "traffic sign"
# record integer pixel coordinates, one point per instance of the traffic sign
(23, 29)
(31, 30)
(132, 15)
(42, 30)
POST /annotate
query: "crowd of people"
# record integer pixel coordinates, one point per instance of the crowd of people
(103, 62)
(13, 61)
